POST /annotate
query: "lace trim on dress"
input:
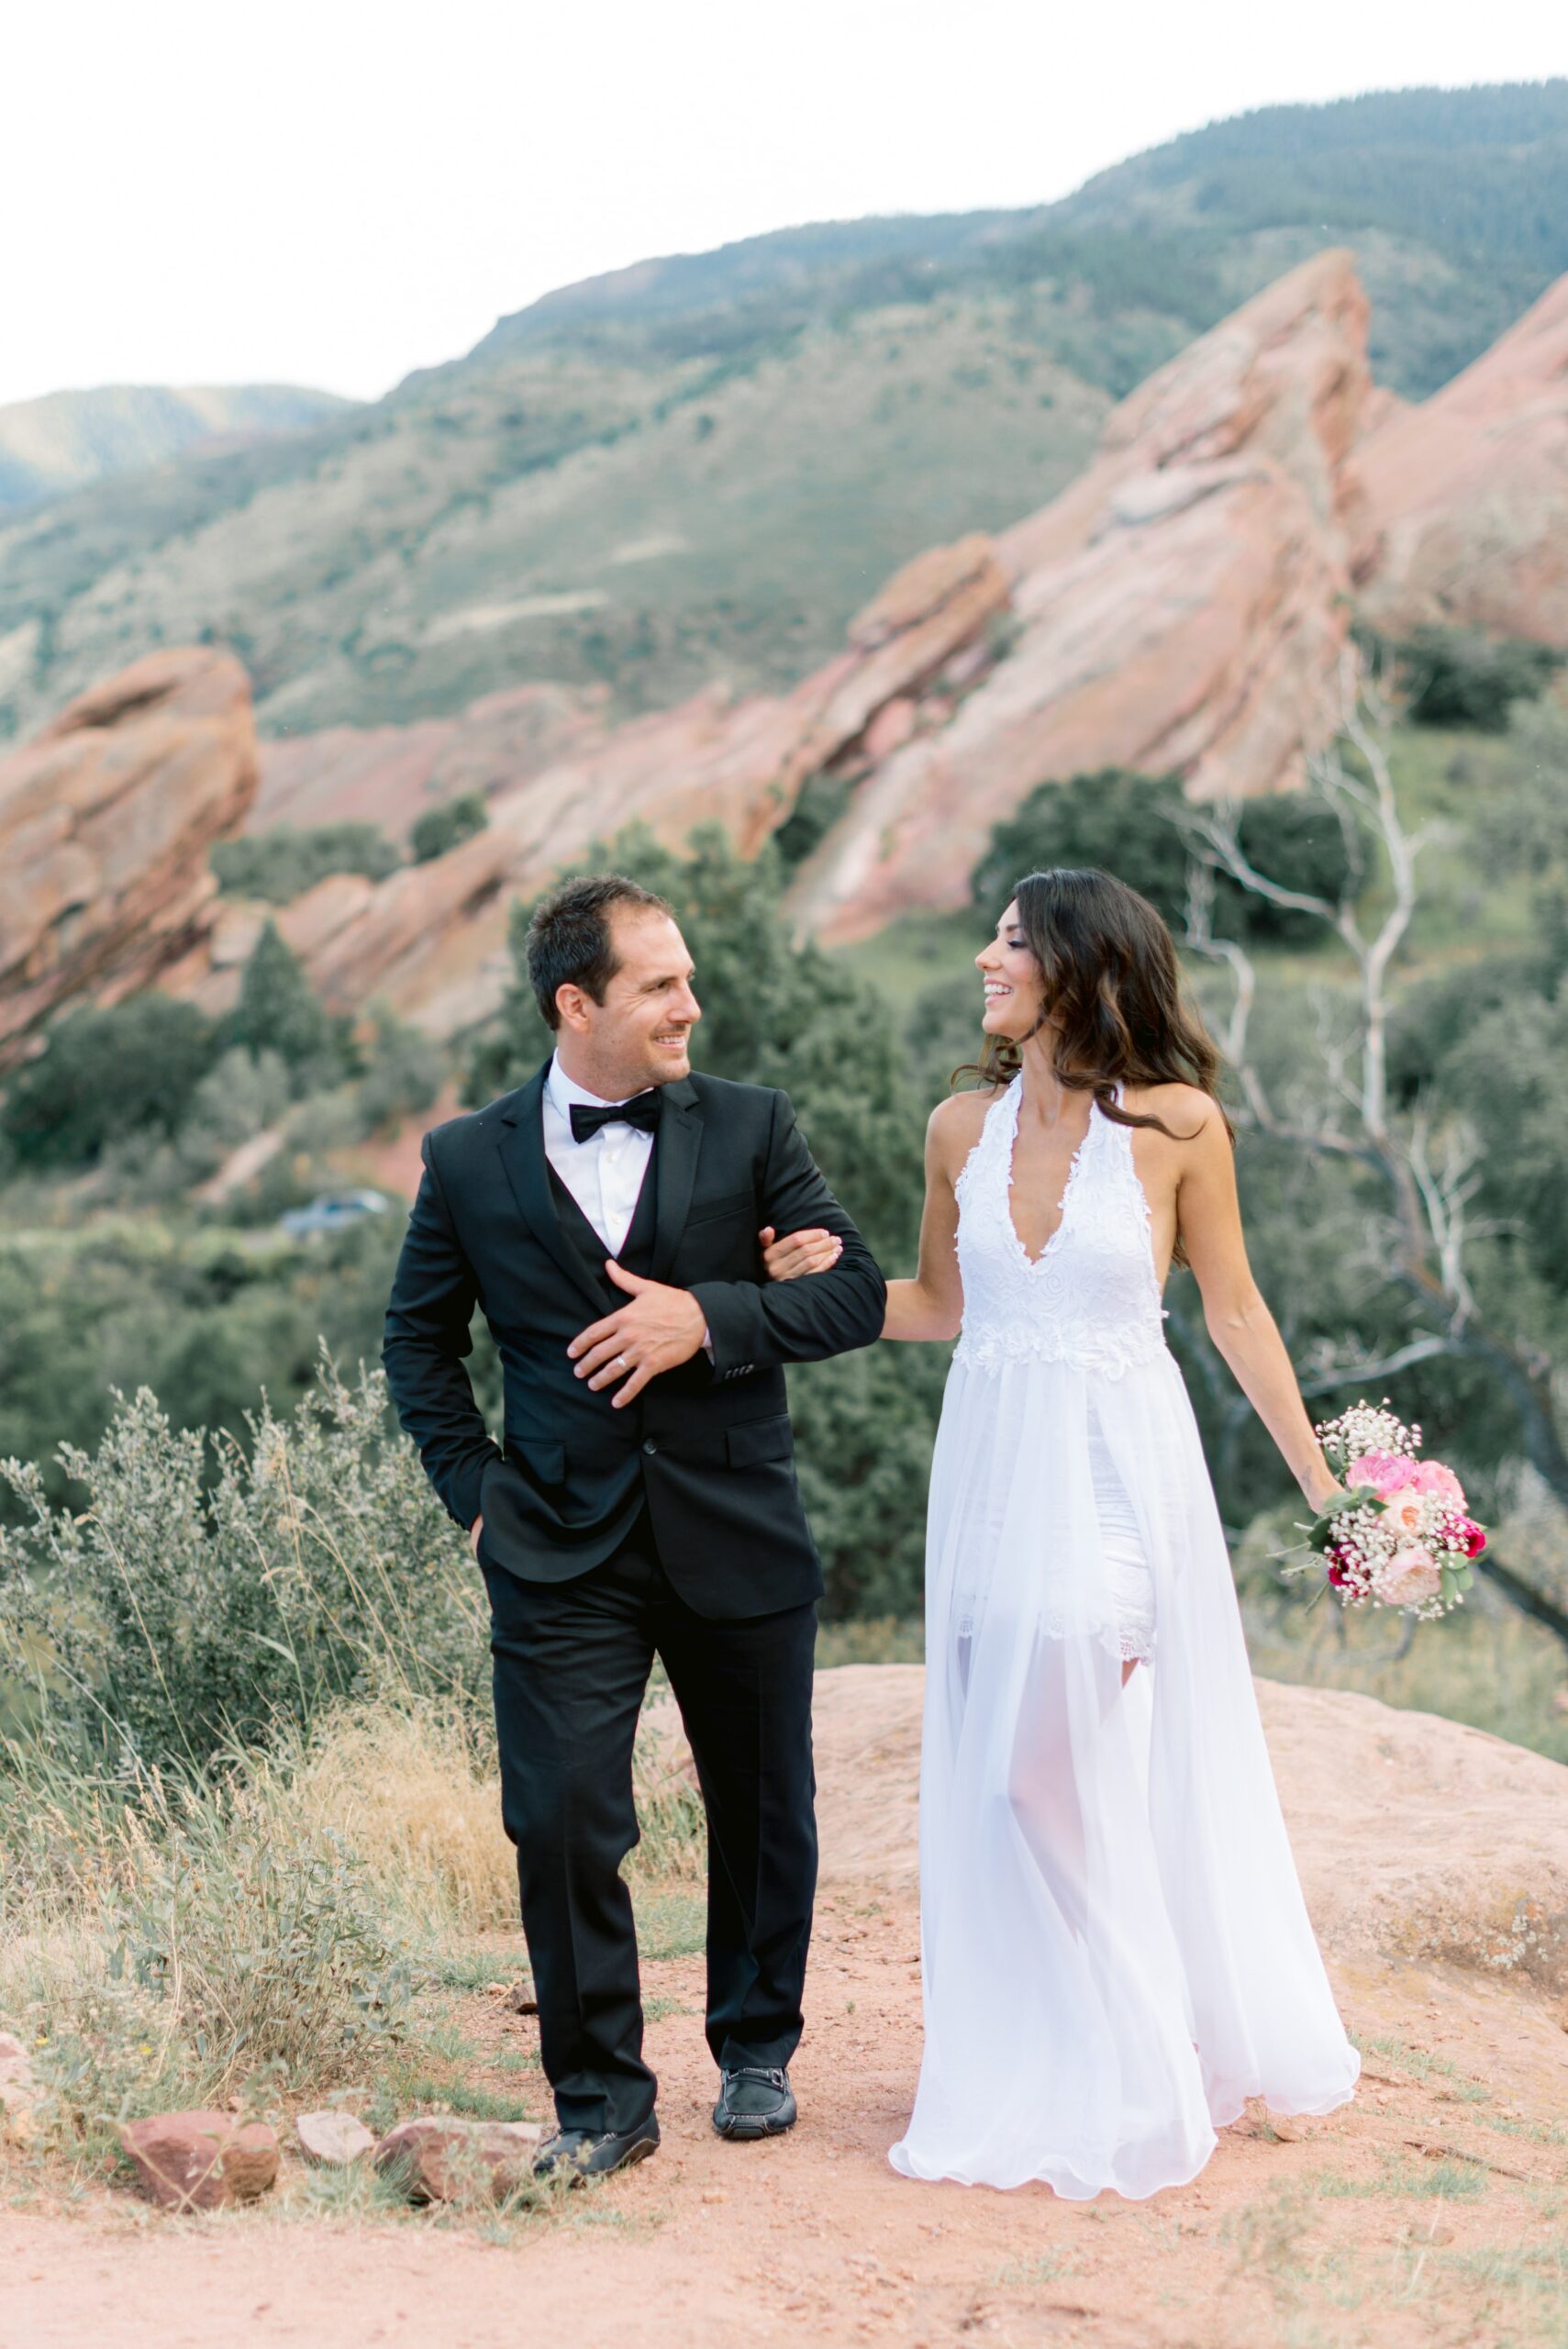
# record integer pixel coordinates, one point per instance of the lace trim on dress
(1091, 1298)
(1108, 1355)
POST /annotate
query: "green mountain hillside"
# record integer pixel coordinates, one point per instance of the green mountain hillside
(1456, 201)
(67, 438)
(702, 465)
(557, 516)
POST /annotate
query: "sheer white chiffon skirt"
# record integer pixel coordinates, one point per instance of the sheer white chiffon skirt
(1115, 1951)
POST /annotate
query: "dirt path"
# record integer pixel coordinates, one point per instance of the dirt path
(1374, 2228)
(1430, 2215)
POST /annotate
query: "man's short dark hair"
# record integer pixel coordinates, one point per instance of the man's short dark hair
(570, 942)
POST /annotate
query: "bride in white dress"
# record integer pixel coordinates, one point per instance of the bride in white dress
(1115, 1951)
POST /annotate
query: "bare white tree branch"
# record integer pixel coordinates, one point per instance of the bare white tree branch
(1431, 1174)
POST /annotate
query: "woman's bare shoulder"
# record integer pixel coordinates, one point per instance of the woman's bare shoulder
(1186, 1110)
(955, 1123)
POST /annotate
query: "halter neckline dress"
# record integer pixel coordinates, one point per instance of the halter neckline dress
(1115, 1951)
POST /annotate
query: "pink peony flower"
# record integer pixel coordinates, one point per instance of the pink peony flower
(1431, 1476)
(1383, 1471)
(1411, 1578)
(1404, 1508)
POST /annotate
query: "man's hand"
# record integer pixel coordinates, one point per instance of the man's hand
(802, 1253)
(474, 1531)
(658, 1329)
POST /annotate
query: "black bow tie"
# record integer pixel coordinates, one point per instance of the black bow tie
(641, 1110)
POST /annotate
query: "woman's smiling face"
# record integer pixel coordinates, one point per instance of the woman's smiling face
(1015, 990)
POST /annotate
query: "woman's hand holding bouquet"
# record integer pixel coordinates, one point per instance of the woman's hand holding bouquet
(1399, 1534)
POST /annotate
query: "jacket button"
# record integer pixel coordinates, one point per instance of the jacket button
(649, 1445)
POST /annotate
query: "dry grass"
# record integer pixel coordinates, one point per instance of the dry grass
(414, 1796)
(279, 1925)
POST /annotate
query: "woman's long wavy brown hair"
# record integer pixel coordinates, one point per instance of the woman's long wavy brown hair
(1113, 995)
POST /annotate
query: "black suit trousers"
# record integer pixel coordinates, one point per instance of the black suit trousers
(572, 1661)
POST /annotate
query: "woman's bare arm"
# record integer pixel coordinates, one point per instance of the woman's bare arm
(930, 1306)
(1208, 1217)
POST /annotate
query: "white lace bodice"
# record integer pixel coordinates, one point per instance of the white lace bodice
(1092, 1298)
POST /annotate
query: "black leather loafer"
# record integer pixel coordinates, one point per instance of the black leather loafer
(579, 2154)
(754, 2101)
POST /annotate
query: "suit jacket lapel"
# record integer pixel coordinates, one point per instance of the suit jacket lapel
(528, 1171)
(680, 1139)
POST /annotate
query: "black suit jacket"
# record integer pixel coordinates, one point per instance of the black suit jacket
(709, 1446)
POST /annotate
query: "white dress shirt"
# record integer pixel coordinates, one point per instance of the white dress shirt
(606, 1174)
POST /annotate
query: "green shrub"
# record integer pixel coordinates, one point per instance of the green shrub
(403, 1072)
(281, 864)
(1121, 821)
(821, 801)
(212, 1590)
(1294, 838)
(1461, 677)
(133, 1069)
(446, 825)
(1130, 825)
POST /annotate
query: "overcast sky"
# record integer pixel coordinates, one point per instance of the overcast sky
(332, 192)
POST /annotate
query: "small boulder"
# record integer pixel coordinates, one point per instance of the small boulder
(201, 2161)
(333, 2139)
(1280, 2127)
(520, 2000)
(439, 2158)
(249, 2162)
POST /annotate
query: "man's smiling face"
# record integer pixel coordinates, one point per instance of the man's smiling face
(641, 1034)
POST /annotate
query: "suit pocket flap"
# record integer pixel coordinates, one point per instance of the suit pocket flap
(545, 1463)
(757, 1440)
(733, 1203)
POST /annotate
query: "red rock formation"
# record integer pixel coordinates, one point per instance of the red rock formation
(105, 821)
(1284, 378)
(1469, 491)
(431, 937)
(1183, 606)
(389, 774)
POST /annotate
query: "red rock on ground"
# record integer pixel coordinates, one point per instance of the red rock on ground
(200, 2160)
(106, 821)
(440, 2158)
(1469, 491)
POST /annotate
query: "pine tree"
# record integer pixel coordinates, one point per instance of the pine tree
(278, 1011)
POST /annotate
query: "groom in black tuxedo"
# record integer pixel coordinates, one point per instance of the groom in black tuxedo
(609, 1218)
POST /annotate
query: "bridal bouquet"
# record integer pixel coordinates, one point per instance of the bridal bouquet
(1398, 1535)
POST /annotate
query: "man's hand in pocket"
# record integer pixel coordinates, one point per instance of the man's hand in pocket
(474, 1531)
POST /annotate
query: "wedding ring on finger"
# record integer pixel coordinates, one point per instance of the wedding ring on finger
(619, 1364)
